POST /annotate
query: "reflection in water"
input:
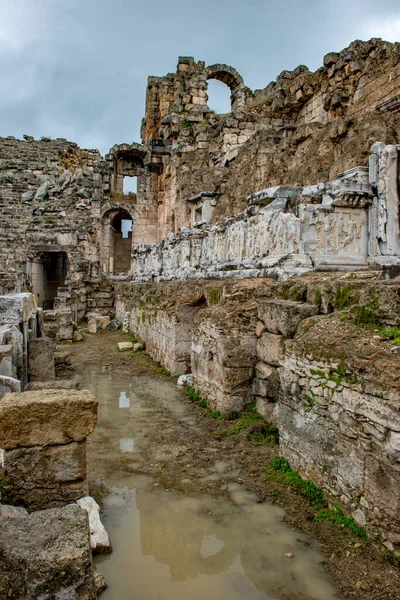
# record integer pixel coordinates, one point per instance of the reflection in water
(126, 444)
(168, 546)
(124, 401)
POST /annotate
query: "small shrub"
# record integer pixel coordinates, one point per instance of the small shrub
(304, 487)
(280, 471)
(192, 394)
(335, 514)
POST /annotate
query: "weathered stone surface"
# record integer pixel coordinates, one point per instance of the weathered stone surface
(284, 316)
(47, 417)
(62, 357)
(99, 540)
(260, 329)
(58, 384)
(97, 323)
(267, 388)
(17, 308)
(45, 476)
(124, 346)
(41, 359)
(271, 349)
(138, 347)
(268, 410)
(12, 512)
(100, 583)
(47, 555)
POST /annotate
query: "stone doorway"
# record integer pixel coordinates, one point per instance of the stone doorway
(48, 273)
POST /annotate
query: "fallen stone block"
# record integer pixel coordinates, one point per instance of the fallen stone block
(124, 346)
(47, 555)
(46, 418)
(99, 540)
(45, 476)
(284, 316)
(271, 349)
(184, 380)
(138, 347)
(78, 337)
(97, 322)
(41, 359)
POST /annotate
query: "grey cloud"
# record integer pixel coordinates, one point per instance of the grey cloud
(78, 69)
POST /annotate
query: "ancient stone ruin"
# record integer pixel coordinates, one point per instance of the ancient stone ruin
(260, 253)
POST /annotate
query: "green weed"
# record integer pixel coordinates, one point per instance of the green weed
(280, 471)
(243, 420)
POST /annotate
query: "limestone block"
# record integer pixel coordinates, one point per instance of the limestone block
(260, 329)
(284, 316)
(65, 332)
(184, 380)
(100, 583)
(266, 382)
(124, 346)
(47, 555)
(382, 487)
(271, 349)
(59, 384)
(41, 359)
(138, 347)
(17, 308)
(99, 540)
(62, 358)
(12, 512)
(46, 476)
(309, 443)
(268, 410)
(6, 360)
(97, 323)
(46, 417)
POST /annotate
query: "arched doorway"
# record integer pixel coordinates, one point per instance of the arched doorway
(116, 241)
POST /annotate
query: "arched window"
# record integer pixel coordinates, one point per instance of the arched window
(219, 97)
(224, 74)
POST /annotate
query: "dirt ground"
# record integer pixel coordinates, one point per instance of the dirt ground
(179, 457)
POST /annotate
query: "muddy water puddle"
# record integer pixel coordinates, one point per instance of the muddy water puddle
(168, 545)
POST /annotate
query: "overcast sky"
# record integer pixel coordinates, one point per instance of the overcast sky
(78, 68)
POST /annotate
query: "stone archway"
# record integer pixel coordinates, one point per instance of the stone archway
(232, 79)
(116, 238)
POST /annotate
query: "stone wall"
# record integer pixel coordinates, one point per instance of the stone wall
(337, 399)
(289, 229)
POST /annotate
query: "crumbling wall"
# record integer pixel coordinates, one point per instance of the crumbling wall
(302, 127)
(286, 230)
(337, 403)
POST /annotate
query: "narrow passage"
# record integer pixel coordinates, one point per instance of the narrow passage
(181, 522)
